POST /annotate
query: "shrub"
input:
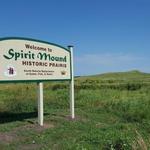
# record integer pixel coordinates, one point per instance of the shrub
(119, 144)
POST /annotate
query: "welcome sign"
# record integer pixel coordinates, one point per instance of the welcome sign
(24, 59)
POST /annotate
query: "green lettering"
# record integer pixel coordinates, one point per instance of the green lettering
(43, 56)
(65, 59)
(52, 58)
(17, 55)
(11, 54)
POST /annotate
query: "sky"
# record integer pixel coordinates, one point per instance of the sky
(107, 35)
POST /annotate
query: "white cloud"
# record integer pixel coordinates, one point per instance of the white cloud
(107, 62)
(107, 59)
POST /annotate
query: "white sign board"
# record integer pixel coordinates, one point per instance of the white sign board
(24, 59)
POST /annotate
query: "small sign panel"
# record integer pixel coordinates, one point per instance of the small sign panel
(24, 59)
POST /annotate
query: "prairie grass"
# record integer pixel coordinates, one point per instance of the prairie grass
(112, 113)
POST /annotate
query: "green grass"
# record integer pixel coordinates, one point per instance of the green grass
(112, 113)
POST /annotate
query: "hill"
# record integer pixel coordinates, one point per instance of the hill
(130, 75)
(131, 80)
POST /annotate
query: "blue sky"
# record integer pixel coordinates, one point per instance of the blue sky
(108, 35)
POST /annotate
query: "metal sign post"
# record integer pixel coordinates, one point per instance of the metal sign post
(40, 103)
(72, 85)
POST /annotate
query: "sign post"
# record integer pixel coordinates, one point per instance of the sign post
(40, 103)
(30, 60)
(72, 85)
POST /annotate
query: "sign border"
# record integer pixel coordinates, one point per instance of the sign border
(40, 41)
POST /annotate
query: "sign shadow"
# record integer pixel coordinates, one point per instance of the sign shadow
(6, 117)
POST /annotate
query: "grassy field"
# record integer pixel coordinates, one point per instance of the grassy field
(112, 113)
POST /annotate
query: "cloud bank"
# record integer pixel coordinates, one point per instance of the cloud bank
(110, 62)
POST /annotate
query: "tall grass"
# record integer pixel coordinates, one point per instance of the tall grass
(113, 113)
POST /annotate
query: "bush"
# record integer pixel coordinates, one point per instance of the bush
(17, 105)
(118, 144)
